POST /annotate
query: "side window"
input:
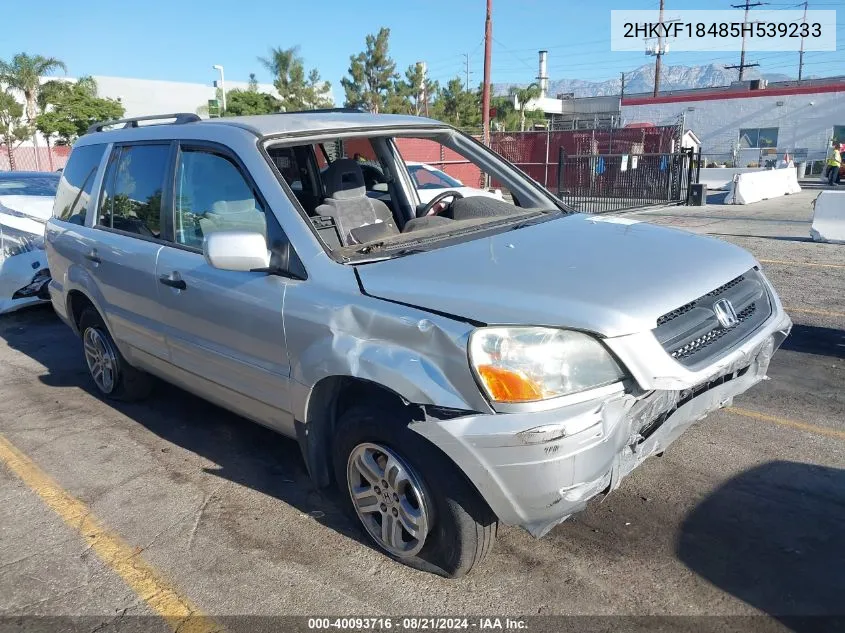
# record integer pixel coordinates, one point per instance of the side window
(76, 183)
(132, 189)
(213, 195)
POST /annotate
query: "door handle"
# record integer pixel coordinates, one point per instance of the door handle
(174, 281)
(92, 256)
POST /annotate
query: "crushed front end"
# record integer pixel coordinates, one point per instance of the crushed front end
(535, 468)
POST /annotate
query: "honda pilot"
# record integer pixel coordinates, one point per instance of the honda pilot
(449, 364)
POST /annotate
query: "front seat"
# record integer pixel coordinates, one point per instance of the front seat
(348, 204)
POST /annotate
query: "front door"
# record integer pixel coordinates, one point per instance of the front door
(224, 329)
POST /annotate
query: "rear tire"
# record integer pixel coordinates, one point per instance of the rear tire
(113, 377)
(455, 527)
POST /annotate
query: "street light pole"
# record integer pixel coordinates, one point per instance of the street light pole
(222, 87)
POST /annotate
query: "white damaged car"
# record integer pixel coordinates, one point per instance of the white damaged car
(26, 202)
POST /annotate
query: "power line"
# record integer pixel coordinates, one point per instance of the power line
(742, 65)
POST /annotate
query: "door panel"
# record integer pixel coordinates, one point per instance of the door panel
(225, 329)
(127, 243)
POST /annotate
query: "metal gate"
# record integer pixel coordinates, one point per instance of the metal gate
(599, 183)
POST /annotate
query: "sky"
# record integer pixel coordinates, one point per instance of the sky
(179, 40)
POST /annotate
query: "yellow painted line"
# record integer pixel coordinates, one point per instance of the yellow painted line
(801, 426)
(814, 311)
(160, 594)
(812, 264)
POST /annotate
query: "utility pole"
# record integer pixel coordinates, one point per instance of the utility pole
(801, 53)
(659, 54)
(742, 65)
(423, 90)
(466, 83)
(485, 92)
(623, 86)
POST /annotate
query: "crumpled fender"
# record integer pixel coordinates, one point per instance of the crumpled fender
(420, 356)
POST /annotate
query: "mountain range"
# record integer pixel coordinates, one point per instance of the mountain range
(642, 80)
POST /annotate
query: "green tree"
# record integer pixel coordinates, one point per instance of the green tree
(412, 94)
(458, 106)
(75, 109)
(522, 97)
(24, 73)
(298, 90)
(317, 92)
(12, 129)
(372, 75)
(250, 101)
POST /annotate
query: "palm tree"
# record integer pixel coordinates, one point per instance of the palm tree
(288, 70)
(24, 73)
(522, 97)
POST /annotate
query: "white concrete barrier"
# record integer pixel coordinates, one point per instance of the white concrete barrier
(717, 178)
(829, 217)
(762, 185)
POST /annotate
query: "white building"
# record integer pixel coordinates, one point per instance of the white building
(748, 119)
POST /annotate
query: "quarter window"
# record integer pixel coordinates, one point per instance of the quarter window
(213, 195)
(77, 182)
(132, 189)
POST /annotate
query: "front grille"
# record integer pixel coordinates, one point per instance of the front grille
(692, 334)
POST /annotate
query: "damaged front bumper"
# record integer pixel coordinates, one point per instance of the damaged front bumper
(536, 469)
(23, 280)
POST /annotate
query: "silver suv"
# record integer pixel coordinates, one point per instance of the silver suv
(449, 364)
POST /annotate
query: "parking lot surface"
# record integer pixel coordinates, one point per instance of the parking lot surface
(743, 515)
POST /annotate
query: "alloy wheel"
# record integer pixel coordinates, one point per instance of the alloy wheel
(389, 499)
(101, 359)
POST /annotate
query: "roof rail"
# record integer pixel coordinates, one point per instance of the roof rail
(181, 117)
(325, 110)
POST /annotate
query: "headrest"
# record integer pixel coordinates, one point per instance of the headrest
(344, 179)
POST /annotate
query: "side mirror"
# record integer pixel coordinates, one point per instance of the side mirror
(240, 251)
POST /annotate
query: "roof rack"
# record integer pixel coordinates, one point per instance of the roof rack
(180, 118)
(326, 110)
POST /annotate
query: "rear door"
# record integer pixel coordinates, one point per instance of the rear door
(130, 233)
(224, 328)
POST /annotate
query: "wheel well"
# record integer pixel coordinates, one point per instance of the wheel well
(329, 399)
(77, 302)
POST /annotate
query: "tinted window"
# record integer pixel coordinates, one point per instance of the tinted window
(431, 179)
(37, 185)
(76, 183)
(132, 189)
(213, 195)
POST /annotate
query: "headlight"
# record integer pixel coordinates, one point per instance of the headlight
(525, 364)
(14, 242)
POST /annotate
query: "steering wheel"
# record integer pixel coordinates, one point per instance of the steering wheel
(432, 209)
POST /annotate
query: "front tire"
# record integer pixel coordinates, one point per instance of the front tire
(113, 377)
(413, 502)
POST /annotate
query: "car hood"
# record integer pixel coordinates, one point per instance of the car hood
(26, 213)
(608, 275)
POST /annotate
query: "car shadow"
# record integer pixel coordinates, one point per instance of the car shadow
(243, 452)
(812, 339)
(773, 537)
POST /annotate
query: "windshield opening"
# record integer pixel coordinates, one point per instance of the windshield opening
(34, 185)
(383, 195)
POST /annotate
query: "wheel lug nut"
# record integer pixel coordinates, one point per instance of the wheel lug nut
(378, 490)
(395, 497)
(395, 512)
(383, 508)
(384, 483)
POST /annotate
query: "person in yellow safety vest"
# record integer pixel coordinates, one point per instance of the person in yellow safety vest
(834, 162)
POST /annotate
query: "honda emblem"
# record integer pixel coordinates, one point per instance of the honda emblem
(725, 313)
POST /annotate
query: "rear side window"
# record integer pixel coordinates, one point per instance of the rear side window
(76, 183)
(132, 189)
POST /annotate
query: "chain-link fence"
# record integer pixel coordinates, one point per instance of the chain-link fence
(28, 158)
